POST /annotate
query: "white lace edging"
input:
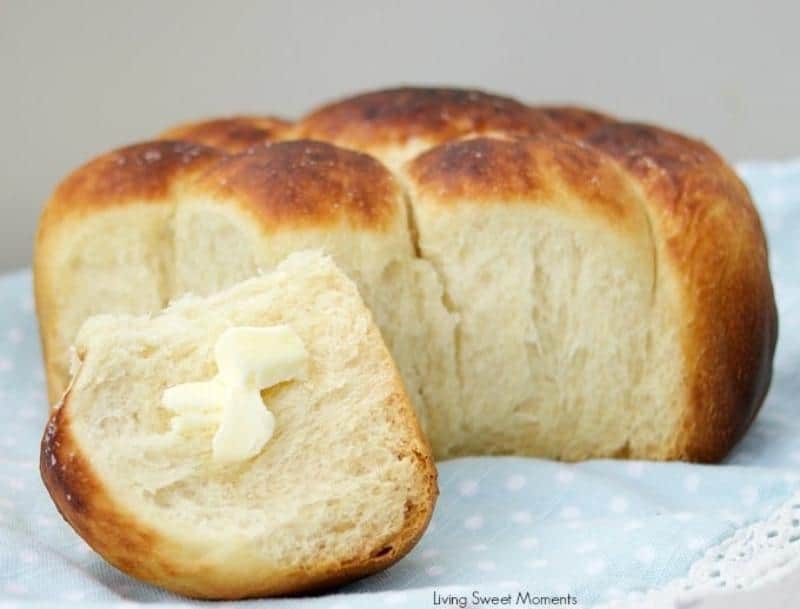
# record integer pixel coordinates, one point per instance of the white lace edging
(753, 556)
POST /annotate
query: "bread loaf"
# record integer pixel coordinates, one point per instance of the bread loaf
(550, 281)
(344, 487)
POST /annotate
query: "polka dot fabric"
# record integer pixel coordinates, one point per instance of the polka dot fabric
(597, 530)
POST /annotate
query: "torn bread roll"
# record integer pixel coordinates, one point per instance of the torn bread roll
(343, 486)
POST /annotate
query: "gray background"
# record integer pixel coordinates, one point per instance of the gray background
(78, 78)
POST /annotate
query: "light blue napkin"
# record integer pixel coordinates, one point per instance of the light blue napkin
(593, 530)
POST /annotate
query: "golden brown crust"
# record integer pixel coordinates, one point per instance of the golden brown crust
(306, 183)
(533, 170)
(142, 172)
(574, 121)
(83, 503)
(710, 234)
(231, 134)
(396, 116)
(142, 552)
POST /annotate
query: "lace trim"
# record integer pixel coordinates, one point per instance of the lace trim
(755, 555)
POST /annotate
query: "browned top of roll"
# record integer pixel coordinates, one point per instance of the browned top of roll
(395, 116)
(142, 172)
(534, 170)
(231, 134)
(305, 182)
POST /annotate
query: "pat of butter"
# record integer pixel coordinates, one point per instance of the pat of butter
(259, 357)
(249, 359)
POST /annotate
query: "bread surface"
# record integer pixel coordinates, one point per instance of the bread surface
(344, 488)
(551, 281)
(231, 134)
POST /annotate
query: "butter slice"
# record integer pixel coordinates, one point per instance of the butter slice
(245, 428)
(257, 358)
(248, 359)
(197, 405)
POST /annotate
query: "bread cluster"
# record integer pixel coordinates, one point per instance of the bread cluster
(550, 281)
